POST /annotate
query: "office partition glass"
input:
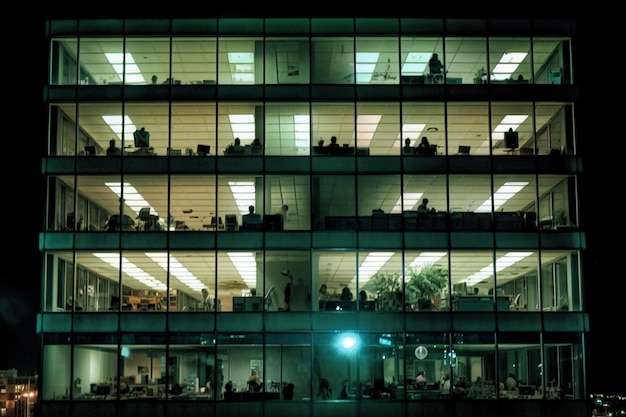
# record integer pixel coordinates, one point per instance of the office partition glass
(287, 129)
(56, 381)
(425, 354)
(287, 363)
(63, 62)
(514, 270)
(472, 279)
(333, 197)
(519, 364)
(287, 60)
(333, 119)
(193, 204)
(563, 368)
(512, 128)
(193, 128)
(194, 61)
(335, 364)
(510, 60)
(95, 368)
(555, 129)
(378, 127)
(424, 202)
(336, 269)
(466, 59)
(423, 120)
(240, 61)
(190, 371)
(472, 366)
(288, 202)
(468, 125)
(377, 60)
(63, 131)
(239, 354)
(145, 60)
(381, 192)
(243, 120)
(332, 60)
(470, 202)
(552, 60)
(379, 366)
(143, 367)
(415, 56)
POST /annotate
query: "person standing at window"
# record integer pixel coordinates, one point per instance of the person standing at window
(205, 304)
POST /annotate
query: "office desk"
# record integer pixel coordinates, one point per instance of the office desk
(333, 150)
(251, 396)
(480, 303)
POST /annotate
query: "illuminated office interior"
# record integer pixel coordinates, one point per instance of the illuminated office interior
(239, 113)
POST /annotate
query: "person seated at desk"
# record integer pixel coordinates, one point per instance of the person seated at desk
(407, 149)
(236, 148)
(346, 294)
(333, 142)
(113, 150)
(251, 221)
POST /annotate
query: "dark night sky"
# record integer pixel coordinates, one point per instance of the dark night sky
(604, 289)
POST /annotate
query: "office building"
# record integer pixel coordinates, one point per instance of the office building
(163, 133)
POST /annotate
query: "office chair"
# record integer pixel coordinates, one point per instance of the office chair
(216, 223)
(231, 222)
(144, 216)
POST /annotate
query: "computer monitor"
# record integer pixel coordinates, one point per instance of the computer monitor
(203, 150)
(103, 390)
(511, 140)
(90, 150)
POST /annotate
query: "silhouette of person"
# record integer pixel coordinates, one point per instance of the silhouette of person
(112, 149)
(333, 142)
(434, 64)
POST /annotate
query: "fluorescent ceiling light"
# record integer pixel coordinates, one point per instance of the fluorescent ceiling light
(407, 201)
(242, 126)
(244, 194)
(510, 121)
(415, 63)
(365, 66)
(426, 258)
(409, 130)
(508, 64)
(366, 126)
(132, 270)
(125, 67)
(177, 270)
(121, 125)
(245, 263)
(501, 196)
(132, 198)
(504, 262)
(242, 67)
(371, 265)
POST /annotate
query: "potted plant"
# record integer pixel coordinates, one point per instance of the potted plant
(478, 76)
(424, 283)
(388, 287)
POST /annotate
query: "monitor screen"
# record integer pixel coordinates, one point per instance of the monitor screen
(203, 150)
(90, 150)
(511, 140)
(103, 390)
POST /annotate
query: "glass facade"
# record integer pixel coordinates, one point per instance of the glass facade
(433, 207)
